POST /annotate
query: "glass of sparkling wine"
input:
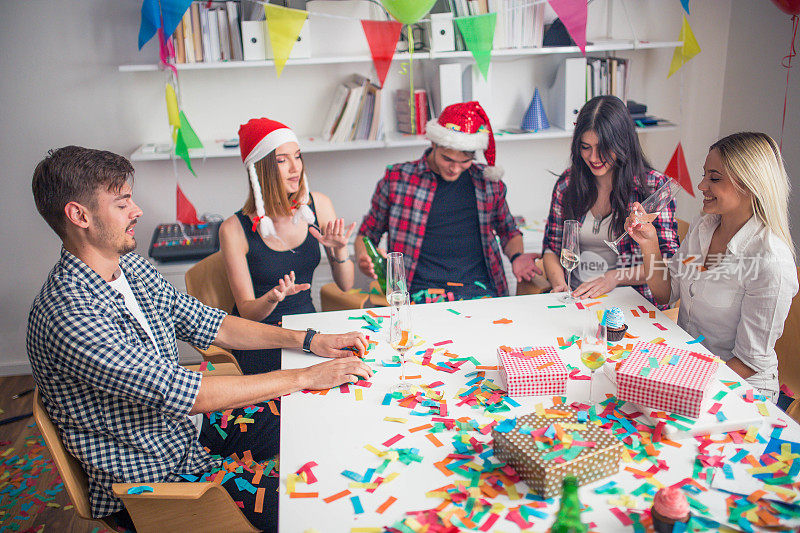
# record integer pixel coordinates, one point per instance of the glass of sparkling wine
(652, 205)
(401, 335)
(593, 346)
(395, 273)
(570, 255)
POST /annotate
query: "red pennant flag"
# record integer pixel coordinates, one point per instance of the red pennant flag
(382, 36)
(186, 211)
(573, 15)
(678, 170)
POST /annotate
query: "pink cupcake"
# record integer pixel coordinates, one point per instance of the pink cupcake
(669, 506)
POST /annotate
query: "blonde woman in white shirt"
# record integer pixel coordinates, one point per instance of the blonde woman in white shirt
(735, 272)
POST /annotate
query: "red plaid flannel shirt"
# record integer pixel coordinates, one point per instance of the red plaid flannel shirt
(401, 204)
(630, 253)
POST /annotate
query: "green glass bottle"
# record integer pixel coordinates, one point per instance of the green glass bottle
(378, 262)
(568, 519)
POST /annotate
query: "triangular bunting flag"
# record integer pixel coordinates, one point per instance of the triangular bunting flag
(171, 13)
(572, 14)
(685, 4)
(684, 53)
(382, 36)
(284, 27)
(182, 151)
(535, 118)
(186, 213)
(189, 136)
(478, 33)
(677, 170)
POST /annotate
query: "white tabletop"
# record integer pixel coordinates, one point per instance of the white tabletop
(333, 429)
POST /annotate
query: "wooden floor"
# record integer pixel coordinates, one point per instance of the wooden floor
(46, 511)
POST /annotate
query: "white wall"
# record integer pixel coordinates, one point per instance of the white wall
(755, 85)
(60, 85)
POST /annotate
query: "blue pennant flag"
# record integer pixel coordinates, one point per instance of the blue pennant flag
(170, 10)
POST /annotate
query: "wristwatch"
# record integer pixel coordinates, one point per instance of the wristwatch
(307, 341)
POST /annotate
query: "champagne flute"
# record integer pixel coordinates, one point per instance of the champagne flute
(652, 205)
(570, 255)
(401, 336)
(594, 347)
(395, 274)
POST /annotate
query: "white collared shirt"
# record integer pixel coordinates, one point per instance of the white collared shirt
(740, 304)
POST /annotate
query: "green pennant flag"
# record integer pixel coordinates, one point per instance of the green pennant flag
(189, 136)
(182, 151)
(478, 33)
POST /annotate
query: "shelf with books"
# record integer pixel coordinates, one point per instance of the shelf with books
(506, 53)
(215, 148)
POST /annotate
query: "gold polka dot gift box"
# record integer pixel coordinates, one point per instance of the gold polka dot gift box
(546, 446)
(532, 371)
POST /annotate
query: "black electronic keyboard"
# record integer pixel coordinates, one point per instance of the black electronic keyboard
(184, 242)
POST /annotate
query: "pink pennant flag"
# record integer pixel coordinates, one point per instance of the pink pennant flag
(382, 36)
(573, 14)
(186, 213)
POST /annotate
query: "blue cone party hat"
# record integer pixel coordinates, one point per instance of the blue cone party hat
(535, 119)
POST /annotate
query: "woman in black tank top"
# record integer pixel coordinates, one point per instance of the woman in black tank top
(272, 245)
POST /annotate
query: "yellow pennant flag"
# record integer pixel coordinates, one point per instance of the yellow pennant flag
(684, 53)
(172, 107)
(284, 27)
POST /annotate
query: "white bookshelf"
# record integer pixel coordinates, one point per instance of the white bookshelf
(215, 149)
(508, 53)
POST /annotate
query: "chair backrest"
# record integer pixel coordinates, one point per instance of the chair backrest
(683, 228)
(788, 347)
(208, 282)
(72, 474)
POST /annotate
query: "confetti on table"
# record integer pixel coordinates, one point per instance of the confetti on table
(659, 326)
(304, 494)
(357, 508)
(555, 306)
(359, 395)
(502, 321)
(385, 505)
(442, 343)
(700, 338)
(334, 497)
(393, 440)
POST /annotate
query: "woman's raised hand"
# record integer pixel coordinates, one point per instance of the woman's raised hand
(286, 287)
(334, 235)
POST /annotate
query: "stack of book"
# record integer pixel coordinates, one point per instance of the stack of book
(607, 75)
(520, 23)
(355, 112)
(402, 110)
(209, 31)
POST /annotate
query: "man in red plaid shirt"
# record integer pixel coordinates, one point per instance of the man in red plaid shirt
(446, 213)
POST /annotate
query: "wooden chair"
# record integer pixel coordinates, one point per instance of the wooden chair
(683, 228)
(376, 296)
(788, 350)
(208, 282)
(538, 285)
(332, 298)
(198, 507)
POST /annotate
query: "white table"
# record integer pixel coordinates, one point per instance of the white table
(333, 429)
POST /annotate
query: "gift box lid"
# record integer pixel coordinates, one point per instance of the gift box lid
(666, 368)
(531, 363)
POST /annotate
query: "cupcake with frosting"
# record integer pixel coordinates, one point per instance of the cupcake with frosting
(669, 506)
(615, 324)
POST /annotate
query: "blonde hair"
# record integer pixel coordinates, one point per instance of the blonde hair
(276, 202)
(753, 161)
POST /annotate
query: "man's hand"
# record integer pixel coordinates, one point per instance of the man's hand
(365, 263)
(334, 373)
(598, 286)
(286, 287)
(524, 267)
(334, 235)
(560, 288)
(339, 345)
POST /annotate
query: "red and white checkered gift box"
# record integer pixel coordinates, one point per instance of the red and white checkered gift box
(676, 381)
(532, 371)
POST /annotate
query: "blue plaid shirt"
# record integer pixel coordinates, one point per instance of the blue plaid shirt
(119, 401)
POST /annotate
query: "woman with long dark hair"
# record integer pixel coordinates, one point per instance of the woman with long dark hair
(607, 174)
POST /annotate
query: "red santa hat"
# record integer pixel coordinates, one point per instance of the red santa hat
(465, 127)
(257, 139)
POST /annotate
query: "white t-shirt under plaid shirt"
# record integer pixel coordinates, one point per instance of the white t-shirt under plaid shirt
(120, 401)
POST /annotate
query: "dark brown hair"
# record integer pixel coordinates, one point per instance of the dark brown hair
(75, 174)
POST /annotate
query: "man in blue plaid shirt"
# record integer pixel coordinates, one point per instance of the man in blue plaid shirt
(102, 344)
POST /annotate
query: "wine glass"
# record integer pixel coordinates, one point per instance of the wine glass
(652, 205)
(593, 346)
(570, 255)
(401, 336)
(395, 274)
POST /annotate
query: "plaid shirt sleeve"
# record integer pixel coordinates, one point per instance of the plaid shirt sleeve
(504, 225)
(554, 228)
(91, 347)
(375, 222)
